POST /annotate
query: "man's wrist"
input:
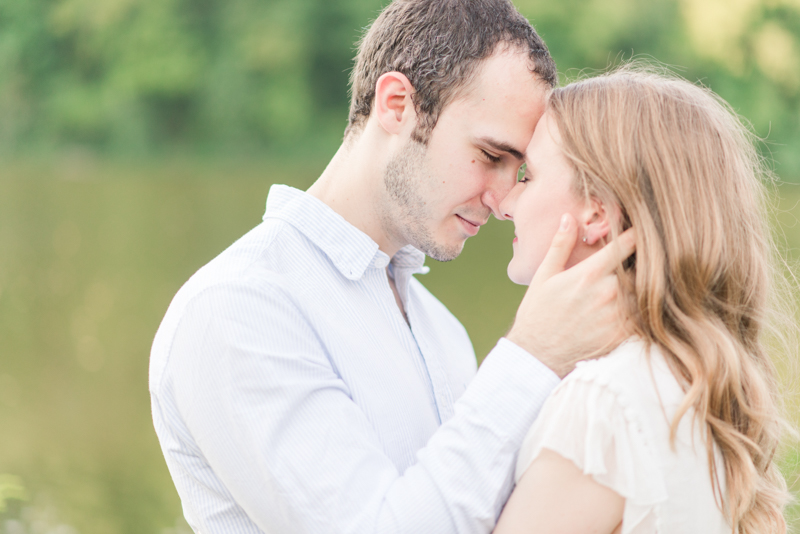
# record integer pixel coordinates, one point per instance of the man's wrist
(527, 342)
(510, 367)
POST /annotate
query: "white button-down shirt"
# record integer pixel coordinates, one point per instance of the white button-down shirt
(289, 393)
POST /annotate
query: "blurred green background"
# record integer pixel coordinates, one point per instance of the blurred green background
(139, 138)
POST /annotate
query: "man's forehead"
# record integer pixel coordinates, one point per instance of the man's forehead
(499, 107)
(506, 68)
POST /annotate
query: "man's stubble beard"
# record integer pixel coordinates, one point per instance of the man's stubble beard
(405, 214)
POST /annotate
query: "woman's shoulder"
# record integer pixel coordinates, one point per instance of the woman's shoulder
(635, 371)
(600, 400)
(624, 360)
(598, 419)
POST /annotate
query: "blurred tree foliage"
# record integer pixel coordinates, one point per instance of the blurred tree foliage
(146, 76)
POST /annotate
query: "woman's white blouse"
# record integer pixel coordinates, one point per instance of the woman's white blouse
(611, 417)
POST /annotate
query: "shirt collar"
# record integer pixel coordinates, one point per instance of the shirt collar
(351, 250)
(410, 258)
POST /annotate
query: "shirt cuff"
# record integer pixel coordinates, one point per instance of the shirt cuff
(510, 389)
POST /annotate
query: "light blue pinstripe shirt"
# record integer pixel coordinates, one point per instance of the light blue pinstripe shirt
(290, 395)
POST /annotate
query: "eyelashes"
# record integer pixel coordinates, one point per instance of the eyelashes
(493, 159)
(522, 172)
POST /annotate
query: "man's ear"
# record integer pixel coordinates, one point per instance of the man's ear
(596, 221)
(394, 108)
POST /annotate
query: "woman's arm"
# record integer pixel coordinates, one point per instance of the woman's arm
(555, 497)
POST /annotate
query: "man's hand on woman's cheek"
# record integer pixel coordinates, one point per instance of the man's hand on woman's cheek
(571, 315)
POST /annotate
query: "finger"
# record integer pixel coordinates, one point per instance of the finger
(626, 243)
(606, 260)
(560, 249)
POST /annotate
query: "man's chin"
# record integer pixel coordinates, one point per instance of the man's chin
(442, 252)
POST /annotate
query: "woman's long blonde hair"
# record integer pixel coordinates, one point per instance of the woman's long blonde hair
(686, 174)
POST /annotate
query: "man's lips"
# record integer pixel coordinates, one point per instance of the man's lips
(470, 226)
(473, 223)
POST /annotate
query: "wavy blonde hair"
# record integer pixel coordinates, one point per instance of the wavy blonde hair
(686, 174)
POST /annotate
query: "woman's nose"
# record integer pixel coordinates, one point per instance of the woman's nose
(508, 203)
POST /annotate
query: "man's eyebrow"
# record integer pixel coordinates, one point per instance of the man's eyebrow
(502, 147)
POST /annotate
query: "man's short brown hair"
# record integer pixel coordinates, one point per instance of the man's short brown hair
(437, 45)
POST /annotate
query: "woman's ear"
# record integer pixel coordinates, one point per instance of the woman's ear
(394, 107)
(596, 221)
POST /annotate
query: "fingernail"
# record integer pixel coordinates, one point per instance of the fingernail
(564, 223)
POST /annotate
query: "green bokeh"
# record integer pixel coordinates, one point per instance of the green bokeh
(152, 77)
(140, 137)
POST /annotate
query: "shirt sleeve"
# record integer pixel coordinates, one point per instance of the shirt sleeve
(594, 423)
(279, 429)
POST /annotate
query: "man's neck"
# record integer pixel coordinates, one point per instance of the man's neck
(350, 185)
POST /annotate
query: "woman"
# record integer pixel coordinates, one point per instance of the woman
(675, 430)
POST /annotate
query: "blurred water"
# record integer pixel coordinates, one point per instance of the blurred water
(90, 256)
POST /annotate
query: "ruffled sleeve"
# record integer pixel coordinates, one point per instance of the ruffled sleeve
(593, 423)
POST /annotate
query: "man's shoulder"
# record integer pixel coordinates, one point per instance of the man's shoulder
(259, 269)
(268, 256)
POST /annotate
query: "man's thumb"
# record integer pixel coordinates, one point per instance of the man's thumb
(560, 249)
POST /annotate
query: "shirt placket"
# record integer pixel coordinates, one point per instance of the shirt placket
(404, 333)
(442, 393)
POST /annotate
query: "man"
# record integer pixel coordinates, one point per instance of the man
(304, 380)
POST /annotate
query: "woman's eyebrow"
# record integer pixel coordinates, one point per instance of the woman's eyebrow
(502, 147)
